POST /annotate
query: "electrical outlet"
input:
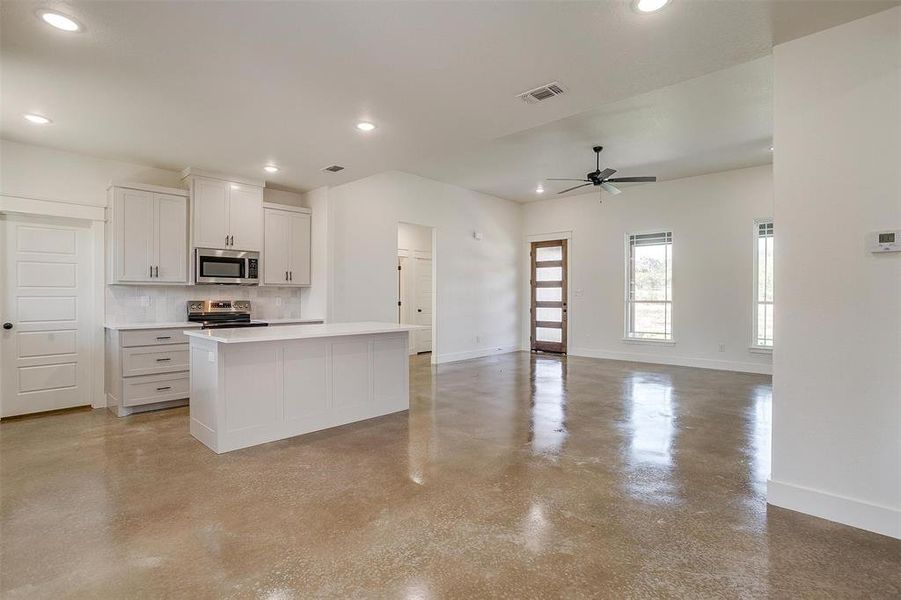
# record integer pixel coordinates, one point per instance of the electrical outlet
(278, 300)
(722, 347)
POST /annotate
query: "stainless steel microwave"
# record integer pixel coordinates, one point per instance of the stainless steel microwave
(226, 267)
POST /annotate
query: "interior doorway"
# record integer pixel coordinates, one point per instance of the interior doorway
(548, 295)
(415, 283)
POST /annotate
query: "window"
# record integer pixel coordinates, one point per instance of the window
(763, 285)
(649, 287)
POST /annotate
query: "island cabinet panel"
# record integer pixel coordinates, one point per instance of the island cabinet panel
(308, 376)
(249, 393)
(350, 375)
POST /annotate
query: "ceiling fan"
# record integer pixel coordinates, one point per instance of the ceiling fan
(602, 179)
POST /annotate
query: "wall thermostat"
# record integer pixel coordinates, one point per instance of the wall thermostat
(885, 241)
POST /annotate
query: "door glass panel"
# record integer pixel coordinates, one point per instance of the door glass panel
(547, 334)
(549, 294)
(549, 273)
(549, 314)
(549, 253)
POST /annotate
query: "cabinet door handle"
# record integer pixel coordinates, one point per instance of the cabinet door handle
(164, 337)
(151, 270)
(290, 275)
(166, 387)
(231, 240)
(156, 271)
(162, 359)
(286, 276)
(226, 240)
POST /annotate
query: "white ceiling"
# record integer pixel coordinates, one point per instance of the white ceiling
(231, 86)
(719, 121)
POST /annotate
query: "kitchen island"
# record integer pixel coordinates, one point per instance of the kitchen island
(255, 385)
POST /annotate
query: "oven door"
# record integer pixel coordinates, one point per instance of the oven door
(226, 267)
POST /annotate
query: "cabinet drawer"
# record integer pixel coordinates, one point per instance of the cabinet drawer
(161, 359)
(152, 337)
(155, 388)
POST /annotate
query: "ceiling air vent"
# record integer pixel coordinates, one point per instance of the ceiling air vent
(333, 168)
(544, 92)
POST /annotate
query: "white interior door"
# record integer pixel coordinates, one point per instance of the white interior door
(423, 303)
(47, 278)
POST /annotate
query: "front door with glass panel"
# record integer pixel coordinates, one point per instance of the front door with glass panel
(548, 305)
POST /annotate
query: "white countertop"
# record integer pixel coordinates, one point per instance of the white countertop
(163, 325)
(189, 325)
(298, 332)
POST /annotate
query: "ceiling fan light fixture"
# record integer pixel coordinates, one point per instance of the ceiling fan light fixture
(648, 6)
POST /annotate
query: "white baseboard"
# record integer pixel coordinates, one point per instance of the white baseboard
(680, 361)
(848, 511)
(478, 353)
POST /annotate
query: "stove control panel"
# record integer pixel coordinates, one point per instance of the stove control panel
(218, 306)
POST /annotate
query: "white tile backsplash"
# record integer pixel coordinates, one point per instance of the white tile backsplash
(143, 304)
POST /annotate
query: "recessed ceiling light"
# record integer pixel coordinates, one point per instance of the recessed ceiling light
(37, 119)
(59, 20)
(539, 190)
(365, 126)
(270, 169)
(647, 6)
(771, 148)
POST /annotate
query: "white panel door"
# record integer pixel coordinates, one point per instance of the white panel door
(299, 248)
(135, 237)
(245, 209)
(210, 210)
(275, 252)
(171, 238)
(423, 304)
(47, 298)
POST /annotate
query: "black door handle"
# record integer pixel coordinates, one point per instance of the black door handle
(418, 310)
(7, 325)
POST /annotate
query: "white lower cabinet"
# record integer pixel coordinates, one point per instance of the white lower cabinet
(146, 369)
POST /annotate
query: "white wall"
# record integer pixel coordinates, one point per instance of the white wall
(477, 281)
(414, 237)
(837, 370)
(44, 174)
(712, 220)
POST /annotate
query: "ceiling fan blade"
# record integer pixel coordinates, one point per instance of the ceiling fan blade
(574, 188)
(563, 179)
(611, 189)
(633, 179)
(606, 173)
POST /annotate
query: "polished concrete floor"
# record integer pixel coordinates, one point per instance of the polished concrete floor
(515, 476)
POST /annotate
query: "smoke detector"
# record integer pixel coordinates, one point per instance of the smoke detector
(333, 169)
(544, 92)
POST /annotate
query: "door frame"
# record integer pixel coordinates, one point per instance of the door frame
(435, 358)
(526, 345)
(96, 215)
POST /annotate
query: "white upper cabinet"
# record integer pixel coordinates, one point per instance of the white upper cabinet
(245, 214)
(210, 212)
(171, 223)
(148, 235)
(286, 258)
(226, 214)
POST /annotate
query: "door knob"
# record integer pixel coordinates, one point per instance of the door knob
(7, 325)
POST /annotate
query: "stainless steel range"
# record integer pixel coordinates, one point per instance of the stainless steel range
(219, 314)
